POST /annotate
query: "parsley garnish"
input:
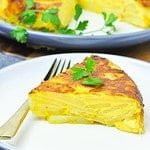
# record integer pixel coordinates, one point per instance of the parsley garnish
(53, 11)
(109, 19)
(20, 34)
(108, 27)
(109, 22)
(92, 81)
(51, 15)
(30, 4)
(28, 17)
(79, 73)
(90, 64)
(82, 25)
(79, 26)
(66, 30)
(78, 12)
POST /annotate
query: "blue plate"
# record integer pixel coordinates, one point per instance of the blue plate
(80, 42)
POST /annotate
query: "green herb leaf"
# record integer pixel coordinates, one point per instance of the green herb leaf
(66, 30)
(20, 34)
(82, 25)
(90, 64)
(109, 18)
(78, 12)
(79, 73)
(28, 17)
(30, 4)
(92, 81)
(109, 26)
(104, 15)
(45, 16)
(53, 11)
(108, 33)
(51, 16)
(54, 19)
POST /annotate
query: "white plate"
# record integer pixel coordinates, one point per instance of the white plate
(17, 80)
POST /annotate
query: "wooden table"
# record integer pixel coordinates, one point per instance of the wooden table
(141, 51)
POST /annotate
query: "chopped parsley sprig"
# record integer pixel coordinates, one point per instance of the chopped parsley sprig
(29, 4)
(79, 27)
(108, 27)
(29, 17)
(78, 12)
(92, 81)
(51, 16)
(20, 34)
(82, 25)
(86, 73)
(66, 30)
(109, 20)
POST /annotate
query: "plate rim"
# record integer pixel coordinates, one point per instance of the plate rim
(133, 60)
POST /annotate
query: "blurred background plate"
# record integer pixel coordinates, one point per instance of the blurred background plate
(41, 39)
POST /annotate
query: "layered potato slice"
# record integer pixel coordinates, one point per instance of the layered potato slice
(10, 11)
(116, 103)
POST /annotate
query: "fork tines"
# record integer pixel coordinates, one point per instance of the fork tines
(58, 66)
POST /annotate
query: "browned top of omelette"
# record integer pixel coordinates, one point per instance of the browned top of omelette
(116, 81)
(17, 6)
(145, 3)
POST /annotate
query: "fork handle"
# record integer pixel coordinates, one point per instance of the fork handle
(10, 127)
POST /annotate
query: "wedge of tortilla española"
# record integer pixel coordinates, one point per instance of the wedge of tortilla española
(117, 102)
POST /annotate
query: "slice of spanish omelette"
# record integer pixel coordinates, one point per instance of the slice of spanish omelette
(117, 102)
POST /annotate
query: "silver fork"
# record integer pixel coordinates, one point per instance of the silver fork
(10, 127)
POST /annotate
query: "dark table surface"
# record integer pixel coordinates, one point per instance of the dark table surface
(12, 52)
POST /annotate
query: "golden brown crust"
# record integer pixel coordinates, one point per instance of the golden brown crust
(145, 3)
(55, 87)
(122, 85)
(17, 6)
(48, 4)
(116, 81)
